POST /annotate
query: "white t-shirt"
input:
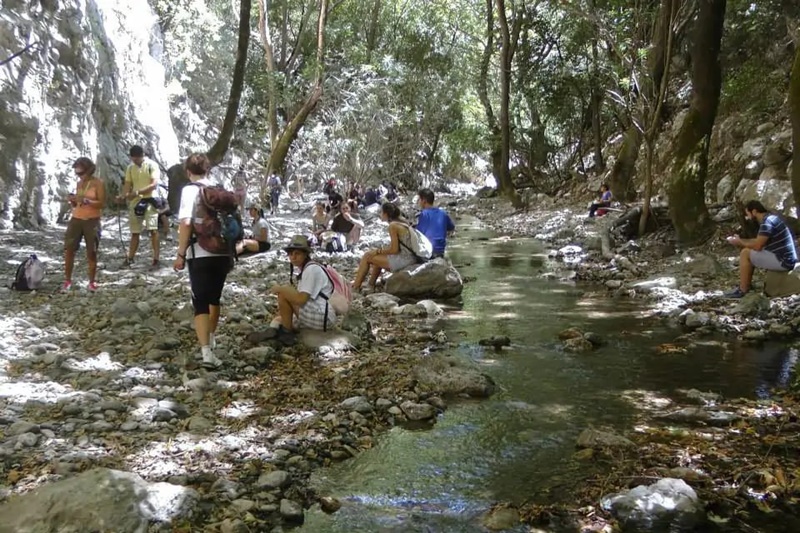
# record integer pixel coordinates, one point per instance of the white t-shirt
(258, 225)
(189, 197)
(313, 281)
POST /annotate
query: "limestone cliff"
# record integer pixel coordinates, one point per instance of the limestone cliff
(89, 81)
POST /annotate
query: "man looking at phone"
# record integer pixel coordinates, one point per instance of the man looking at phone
(772, 249)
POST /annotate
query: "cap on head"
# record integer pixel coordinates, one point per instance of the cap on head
(299, 242)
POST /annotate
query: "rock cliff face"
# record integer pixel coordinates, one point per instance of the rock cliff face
(89, 82)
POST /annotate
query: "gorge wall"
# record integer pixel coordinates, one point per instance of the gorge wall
(91, 83)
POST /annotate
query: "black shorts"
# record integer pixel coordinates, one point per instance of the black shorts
(207, 277)
(262, 247)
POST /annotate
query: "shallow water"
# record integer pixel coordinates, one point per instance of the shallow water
(518, 443)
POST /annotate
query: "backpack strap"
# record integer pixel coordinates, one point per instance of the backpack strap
(321, 294)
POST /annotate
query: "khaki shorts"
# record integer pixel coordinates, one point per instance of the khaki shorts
(78, 228)
(149, 222)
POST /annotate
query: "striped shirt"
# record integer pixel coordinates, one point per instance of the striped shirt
(779, 240)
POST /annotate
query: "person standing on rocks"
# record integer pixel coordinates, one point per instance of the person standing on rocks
(396, 256)
(87, 207)
(141, 180)
(772, 249)
(433, 222)
(305, 306)
(207, 271)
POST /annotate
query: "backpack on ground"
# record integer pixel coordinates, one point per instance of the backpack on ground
(217, 225)
(420, 246)
(332, 242)
(30, 274)
(341, 297)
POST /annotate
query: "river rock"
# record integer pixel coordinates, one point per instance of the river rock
(697, 320)
(450, 376)
(703, 266)
(434, 279)
(578, 345)
(357, 324)
(725, 189)
(359, 404)
(291, 511)
(382, 300)
(486, 192)
(273, 480)
(775, 194)
(501, 519)
(667, 505)
(431, 308)
(752, 304)
(496, 342)
(594, 438)
(329, 504)
(570, 333)
(97, 500)
(418, 411)
(21, 426)
(781, 284)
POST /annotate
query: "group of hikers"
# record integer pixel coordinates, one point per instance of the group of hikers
(304, 304)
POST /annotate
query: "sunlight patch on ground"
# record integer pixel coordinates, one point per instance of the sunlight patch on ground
(293, 419)
(142, 375)
(501, 316)
(238, 409)
(101, 362)
(47, 392)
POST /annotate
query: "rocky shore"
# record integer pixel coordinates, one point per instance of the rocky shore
(102, 391)
(725, 464)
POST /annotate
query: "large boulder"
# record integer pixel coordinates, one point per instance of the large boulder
(780, 284)
(434, 279)
(97, 500)
(774, 194)
(453, 376)
(667, 505)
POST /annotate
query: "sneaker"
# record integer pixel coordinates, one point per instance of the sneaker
(735, 294)
(286, 337)
(66, 286)
(209, 359)
(92, 286)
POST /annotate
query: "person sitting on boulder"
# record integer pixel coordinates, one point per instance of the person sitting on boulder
(396, 256)
(772, 249)
(605, 200)
(433, 222)
(303, 307)
(259, 242)
(348, 224)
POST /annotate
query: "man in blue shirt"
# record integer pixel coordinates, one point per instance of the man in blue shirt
(772, 249)
(433, 222)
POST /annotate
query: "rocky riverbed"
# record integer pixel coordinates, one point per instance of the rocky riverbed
(726, 464)
(109, 381)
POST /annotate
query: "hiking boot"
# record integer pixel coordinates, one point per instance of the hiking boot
(66, 286)
(735, 294)
(286, 337)
(209, 359)
(92, 286)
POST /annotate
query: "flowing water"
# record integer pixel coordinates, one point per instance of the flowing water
(518, 443)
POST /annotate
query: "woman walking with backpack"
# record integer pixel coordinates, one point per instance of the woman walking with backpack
(207, 270)
(87, 207)
(396, 256)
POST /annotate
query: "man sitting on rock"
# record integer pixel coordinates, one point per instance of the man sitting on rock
(772, 249)
(433, 222)
(304, 306)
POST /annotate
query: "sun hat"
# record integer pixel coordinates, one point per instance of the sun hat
(299, 242)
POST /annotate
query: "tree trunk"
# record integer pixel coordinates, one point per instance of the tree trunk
(217, 152)
(597, 104)
(621, 178)
(794, 102)
(372, 32)
(269, 58)
(280, 149)
(689, 167)
(505, 184)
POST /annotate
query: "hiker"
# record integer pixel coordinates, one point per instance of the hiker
(305, 306)
(370, 197)
(605, 201)
(274, 185)
(141, 180)
(334, 201)
(319, 222)
(772, 249)
(87, 207)
(207, 271)
(433, 222)
(348, 223)
(396, 256)
(260, 241)
(355, 193)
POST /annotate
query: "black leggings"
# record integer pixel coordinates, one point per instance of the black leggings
(207, 277)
